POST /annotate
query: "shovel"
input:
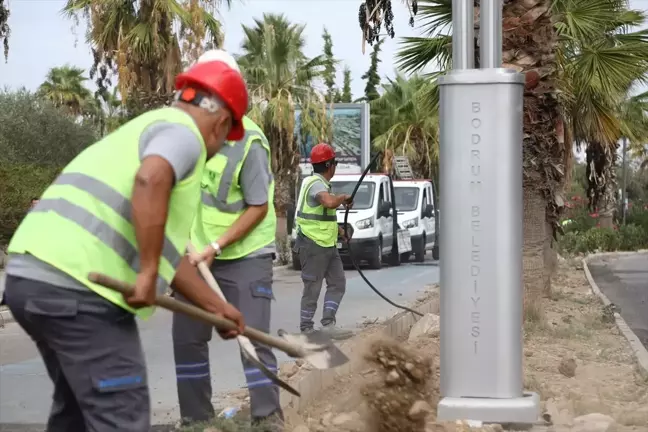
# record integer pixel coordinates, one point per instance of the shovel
(316, 348)
(246, 346)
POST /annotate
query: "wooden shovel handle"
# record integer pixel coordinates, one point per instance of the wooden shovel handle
(195, 312)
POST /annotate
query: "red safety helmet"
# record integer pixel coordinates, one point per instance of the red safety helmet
(221, 80)
(322, 152)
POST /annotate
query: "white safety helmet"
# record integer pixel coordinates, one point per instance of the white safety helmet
(219, 55)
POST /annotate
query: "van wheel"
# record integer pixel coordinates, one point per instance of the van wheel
(435, 253)
(419, 252)
(296, 264)
(375, 260)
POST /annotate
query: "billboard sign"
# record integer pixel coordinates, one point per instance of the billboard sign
(350, 136)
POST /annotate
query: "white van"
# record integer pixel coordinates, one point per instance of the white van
(415, 204)
(370, 218)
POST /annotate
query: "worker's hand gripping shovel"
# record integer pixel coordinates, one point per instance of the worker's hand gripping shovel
(316, 347)
(246, 346)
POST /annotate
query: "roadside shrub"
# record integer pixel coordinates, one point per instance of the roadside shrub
(639, 217)
(19, 184)
(33, 131)
(626, 238)
(36, 141)
(633, 237)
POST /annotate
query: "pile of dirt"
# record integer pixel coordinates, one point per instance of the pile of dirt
(405, 393)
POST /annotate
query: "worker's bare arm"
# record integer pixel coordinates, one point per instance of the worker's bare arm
(151, 192)
(168, 153)
(188, 282)
(331, 201)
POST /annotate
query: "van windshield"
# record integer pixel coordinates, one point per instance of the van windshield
(363, 198)
(406, 198)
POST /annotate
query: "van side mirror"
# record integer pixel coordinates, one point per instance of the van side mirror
(384, 209)
(429, 211)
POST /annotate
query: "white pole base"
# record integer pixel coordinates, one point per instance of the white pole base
(525, 409)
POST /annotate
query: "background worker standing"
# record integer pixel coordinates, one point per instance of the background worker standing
(317, 234)
(236, 225)
(122, 207)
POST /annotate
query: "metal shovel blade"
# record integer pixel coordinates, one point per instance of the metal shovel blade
(319, 349)
(269, 374)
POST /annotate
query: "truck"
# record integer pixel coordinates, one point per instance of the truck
(371, 220)
(417, 212)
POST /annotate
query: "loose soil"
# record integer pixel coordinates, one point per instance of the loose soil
(575, 358)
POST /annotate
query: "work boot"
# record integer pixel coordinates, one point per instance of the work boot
(336, 333)
(308, 331)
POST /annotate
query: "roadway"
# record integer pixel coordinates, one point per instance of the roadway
(624, 280)
(25, 389)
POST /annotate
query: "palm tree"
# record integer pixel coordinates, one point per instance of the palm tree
(64, 87)
(279, 78)
(406, 118)
(145, 42)
(600, 62)
(576, 52)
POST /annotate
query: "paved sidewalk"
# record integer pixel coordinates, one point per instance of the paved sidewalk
(25, 392)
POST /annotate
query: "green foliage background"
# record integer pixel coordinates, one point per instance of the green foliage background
(36, 141)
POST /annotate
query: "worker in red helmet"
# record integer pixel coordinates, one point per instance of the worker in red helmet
(123, 207)
(234, 233)
(317, 234)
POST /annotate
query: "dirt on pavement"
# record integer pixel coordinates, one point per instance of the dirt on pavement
(575, 358)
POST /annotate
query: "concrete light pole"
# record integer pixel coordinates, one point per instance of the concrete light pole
(481, 240)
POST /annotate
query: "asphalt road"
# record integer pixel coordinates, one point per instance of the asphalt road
(624, 280)
(25, 389)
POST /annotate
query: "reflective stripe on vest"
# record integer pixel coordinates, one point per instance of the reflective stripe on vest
(100, 229)
(234, 154)
(313, 216)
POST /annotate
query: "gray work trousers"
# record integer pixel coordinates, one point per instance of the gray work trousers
(93, 355)
(319, 263)
(246, 284)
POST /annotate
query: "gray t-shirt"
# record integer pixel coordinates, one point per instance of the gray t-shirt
(176, 143)
(315, 189)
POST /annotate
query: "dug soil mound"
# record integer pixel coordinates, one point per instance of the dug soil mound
(404, 392)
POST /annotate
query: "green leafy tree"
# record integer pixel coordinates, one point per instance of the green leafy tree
(330, 69)
(37, 139)
(346, 95)
(145, 43)
(64, 87)
(371, 76)
(407, 117)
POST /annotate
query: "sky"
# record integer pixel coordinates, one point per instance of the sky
(42, 38)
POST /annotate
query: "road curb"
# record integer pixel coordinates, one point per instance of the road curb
(6, 317)
(640, 352)
(316, 381)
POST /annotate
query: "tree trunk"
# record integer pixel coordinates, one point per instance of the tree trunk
(533, 263)
(550, 255)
